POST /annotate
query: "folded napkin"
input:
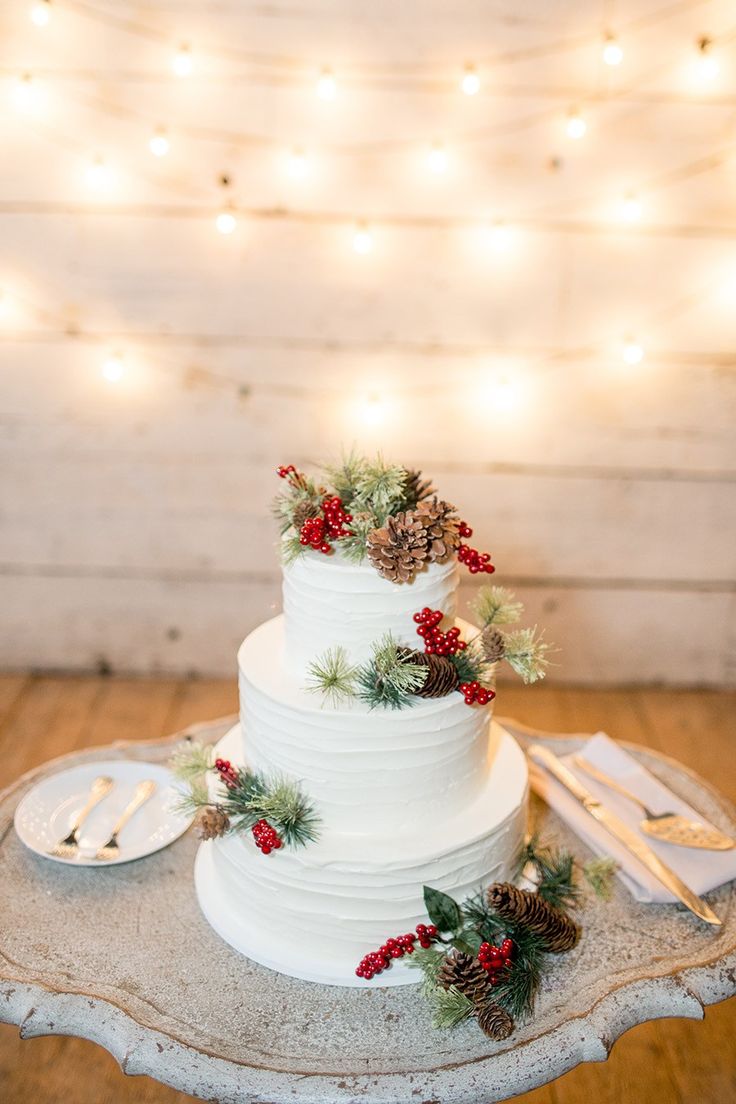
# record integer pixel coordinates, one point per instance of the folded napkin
(700, 870)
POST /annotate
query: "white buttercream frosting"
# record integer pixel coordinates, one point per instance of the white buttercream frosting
(329, 602)
(368, 770)
(314, 912)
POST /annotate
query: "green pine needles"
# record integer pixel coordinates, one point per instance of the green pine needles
(333, 675)
(253, 796)
(599, 874)
(527, 653)
(495, 605)
(554, 873)
(387, 678)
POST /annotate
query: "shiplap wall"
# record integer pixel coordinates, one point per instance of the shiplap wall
(135, 518)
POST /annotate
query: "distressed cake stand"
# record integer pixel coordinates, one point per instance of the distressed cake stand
(122, 956)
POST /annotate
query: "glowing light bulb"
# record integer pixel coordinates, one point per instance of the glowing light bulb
(159, 144)
(225, 222)
(576, 125)
(372, 410)
(437, 159)
(40, 13)
(4, 305)
(25, 93)
(631, 352)
(708, 64)
(113, 368)
(362, 239)
(327, 85)
(630, 208)
(470, 84)
(98, 174)
(498, 236)
(612, 53)
(298, 164)
(181, 63)
(502, 393)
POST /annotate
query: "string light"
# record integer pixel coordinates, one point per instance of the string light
(708, 64)
(113, 368)
(298, 164)
(158, 143)
(470, 83)
(576, 125)
(98, 174)
(502, 393)
(362, 239)
(498, 236)
(372, 410)
(225, 221)
(40, 13)
(25, 92)
(437, 159)
(632, 352)
(630, 208)
(181, 63)
(326, 85)
(612, 53)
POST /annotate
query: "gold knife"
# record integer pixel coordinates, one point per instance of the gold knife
(621, 831)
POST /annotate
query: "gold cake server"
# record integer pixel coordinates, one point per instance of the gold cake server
(642, 851)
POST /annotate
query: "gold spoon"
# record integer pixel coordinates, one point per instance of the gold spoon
(669, 827)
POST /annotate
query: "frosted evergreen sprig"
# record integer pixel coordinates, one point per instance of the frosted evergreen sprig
(333, 675)
(191, 761)
(495, 605)
(387, 678)
(379, 490)
(526, 653)
(354, 546)
(450, 1007)
(599, 874)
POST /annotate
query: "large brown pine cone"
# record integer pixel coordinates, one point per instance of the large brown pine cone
(399, 548)
(416, 488)
(494, 1021)
(442, 525)
(551, 924)
(212, 823)
(466, 974)
(442, 676)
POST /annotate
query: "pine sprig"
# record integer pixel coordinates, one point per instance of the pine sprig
(429, 961)
(189, 801)
(191, 761)
(387, 679)
(283, 804)
(345, 476)
(450, 1007)
(333, 675)
(599, 874)
(495, 605)
(470, 663)
(379, 489)
(526, 653)
(354, 546)
(554, 873)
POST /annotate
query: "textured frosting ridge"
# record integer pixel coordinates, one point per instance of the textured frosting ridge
(328, 601)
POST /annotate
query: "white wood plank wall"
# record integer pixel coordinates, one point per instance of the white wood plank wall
(135, 531)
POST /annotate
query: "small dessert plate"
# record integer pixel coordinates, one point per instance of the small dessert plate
(47, 812)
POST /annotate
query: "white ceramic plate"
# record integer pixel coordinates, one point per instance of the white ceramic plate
(47, 812)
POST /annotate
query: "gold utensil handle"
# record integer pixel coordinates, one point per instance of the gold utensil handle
(100, 788)
(611, 783)
(143, 791)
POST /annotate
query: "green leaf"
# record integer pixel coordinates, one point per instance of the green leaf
(442, 910)
(470, 940)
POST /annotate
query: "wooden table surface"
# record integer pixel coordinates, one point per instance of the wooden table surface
(662, 1062)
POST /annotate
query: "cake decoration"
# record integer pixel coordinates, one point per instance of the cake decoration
(274, 810)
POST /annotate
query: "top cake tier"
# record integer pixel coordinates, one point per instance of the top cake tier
(329, 602)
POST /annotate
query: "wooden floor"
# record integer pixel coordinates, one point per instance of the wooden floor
(667, 1062)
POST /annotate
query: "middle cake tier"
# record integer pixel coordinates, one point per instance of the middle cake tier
(367, 770)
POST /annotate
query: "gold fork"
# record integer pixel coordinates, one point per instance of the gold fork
(111, 849)
(69, 846)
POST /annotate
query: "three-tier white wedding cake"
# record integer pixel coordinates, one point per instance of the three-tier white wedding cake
(431, 793)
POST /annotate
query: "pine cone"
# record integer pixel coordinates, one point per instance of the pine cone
(443, 528)
(301, 512)
(398, 549)
(442, 676)
(212, 823)
(416, 488)
(493, 644)
(551, 924)
(494, 1021)
(466, 974)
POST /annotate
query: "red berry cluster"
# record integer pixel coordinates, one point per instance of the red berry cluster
(437, 642)
(474, 560)
(464, 530)
(266, 837)
(227, 772)
(317, 532)
(284, 471)
(377, 961)
(496, 960)
(474, 692)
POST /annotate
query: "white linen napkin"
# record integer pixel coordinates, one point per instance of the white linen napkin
(700, 870)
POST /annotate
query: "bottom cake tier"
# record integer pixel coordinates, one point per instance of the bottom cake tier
(313, 913)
